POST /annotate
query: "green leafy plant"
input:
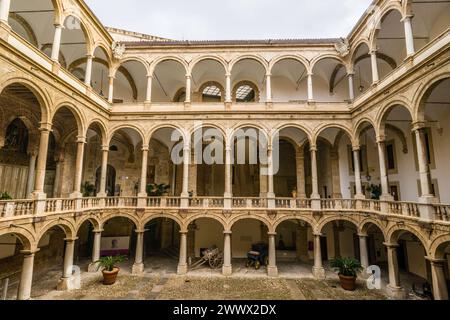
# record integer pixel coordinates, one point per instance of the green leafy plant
(375, 191)
(157, 190)
(87, 189)
(348, 267)
(5, 196)
(110, 262)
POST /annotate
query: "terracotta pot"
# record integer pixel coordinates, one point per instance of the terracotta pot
(348, 283)
(109, 277)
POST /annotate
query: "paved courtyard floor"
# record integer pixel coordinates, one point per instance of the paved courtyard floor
(160, 282)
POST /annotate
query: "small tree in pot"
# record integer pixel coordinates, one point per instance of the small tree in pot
(110, 268)
(348, 269)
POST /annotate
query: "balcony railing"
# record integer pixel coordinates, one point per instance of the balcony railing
(21, 208)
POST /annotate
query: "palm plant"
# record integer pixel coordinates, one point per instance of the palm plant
(5, 196)
(157, 190)
(110, 262)
(348, 267)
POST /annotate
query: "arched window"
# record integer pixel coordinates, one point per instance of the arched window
(246, 91)
(16, 137)
(180, 96)
(211, 92)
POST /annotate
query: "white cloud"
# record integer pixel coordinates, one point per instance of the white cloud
(232, 19)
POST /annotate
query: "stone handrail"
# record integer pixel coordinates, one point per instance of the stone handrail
(20, 208)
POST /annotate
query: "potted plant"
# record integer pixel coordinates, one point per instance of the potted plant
(348, 269)
(87, 189)
(110, 268)
(157, 190)
(5, 196)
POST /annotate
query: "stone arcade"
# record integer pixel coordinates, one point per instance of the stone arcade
(364, 127)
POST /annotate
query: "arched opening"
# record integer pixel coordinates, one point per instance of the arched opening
(390, 41)
(162, 244)
(130, 84)
(376, 251)
(362, 79)
(165, 167)
(125, 156)
(119, 238)
(340, 240)
(208, 78)
(100, 71)
(434, 111)
(207, 166)
(330, 80)
(289, 81)
(245, 234)
(324, 162)
(169, 76)
(442, 255)
(93, 160)
(110, 180)
(248, 75)
(85, 243)
(74, 46)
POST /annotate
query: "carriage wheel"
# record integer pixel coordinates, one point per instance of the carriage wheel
(215, 262)
(257, 265)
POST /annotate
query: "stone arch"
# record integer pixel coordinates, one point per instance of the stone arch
(91, 219)
(420, 94)
(101, 45)
(323, 222)
(113, 215)
(79, 117)
(322, 57)
(392, 6)
(87, 33)
(174, 127)
(394, 233)
(240, 126)
(194, 129)
(357, 131)
(223, 222)
(155, 63)
(384, 111)
(240, 217)
(326, 126)
(435, 250)
(26, 26)
(101, 125)
(147, 219)
(199, 59)
(67, 228)
(132, 59)
(355, 47)
(367, 222)
(25, 236)
(137, 129)
(279, 221)
(305, 130)
(297, 58)
(256, 58)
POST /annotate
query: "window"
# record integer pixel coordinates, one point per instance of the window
(246, 91)
(212, 92)
(391, 158)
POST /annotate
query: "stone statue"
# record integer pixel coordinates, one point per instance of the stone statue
(118, 49)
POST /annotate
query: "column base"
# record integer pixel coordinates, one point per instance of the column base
(182, 269)
(272, 271)
(93, 267)
(67, 284)
(319, 273)
(397, 293)
(138, 268)
(227, 270)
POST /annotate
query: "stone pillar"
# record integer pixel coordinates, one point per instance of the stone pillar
(182, 265)
(351, 87)
(359, 193)
(314, 179)
(393, 288)
(374, 64)
(31, 174)
(79, 167)
(272, 269)
(65, 283)
(57, 182)
(409, 37)
(143, 181)
(439, 282)
(310, 88)
(148, 93)
(227, 268)
(228, 178)
(363, 252)
(138, 266)
(26, 277)
(185, 186)
(88, 74)
(383, 170)
(111, 89)
(268, 88)
(270, 185)
(4, 10)
(263, 180)
(318, 269)
(56, 43)
(300, 169)
(193, 174)
(41, 160)
(335, 175)
(95, 250)
(103, 172)
(188, 89)
(424, 168)
(228, 98)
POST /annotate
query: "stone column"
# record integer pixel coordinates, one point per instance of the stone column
(270, 185)
(383, 170)
(111, 89)
(272, 269)
(440, 291)
(310, 88)
(148, 93)
(374, 63)
(185, 186)
(79, 167)
(26, 277)
(393, 288)
(193, 174)
(351, 87)
(409, 37)
(228, 98)
(4, 10)
(188, 89)
(182, 265)
(42, 160)
(314, 179)
(228, 178)
(318, 269)
(103, 172)
(143, 181)
(88, 74)
(138, 266)
(227, 268)
(57, 182)
(359, 193)
(95, 250)
(268, 88)
(300, 169)
(263, 183)
(65, 283)
(56, 43)
(31, 174)
(335, 175)
(424, 168)
(363, 250)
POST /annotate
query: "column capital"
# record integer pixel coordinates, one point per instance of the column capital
(140, 231)
(317, 234)
(30, 251)
(184, 232)
(273, 234)
(313, 148)
(45, 126)
(407, 17)
(81, 139)
(363, 235)
(150, 76)
(71, 239)
(58, 25)
(310, 74)
(188, 76)
(228, 74)
(268, 74)
(381, 139)
(418, 125)
(435, 261)
(98, 230)
(33, 152)
(373, 51)
(89, 56)
(351, 73)
(356, 148)
(105, 148)
(145, 148)
(227, 232)
(391, 245)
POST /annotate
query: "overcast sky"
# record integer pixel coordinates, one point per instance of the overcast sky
(232, 19)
